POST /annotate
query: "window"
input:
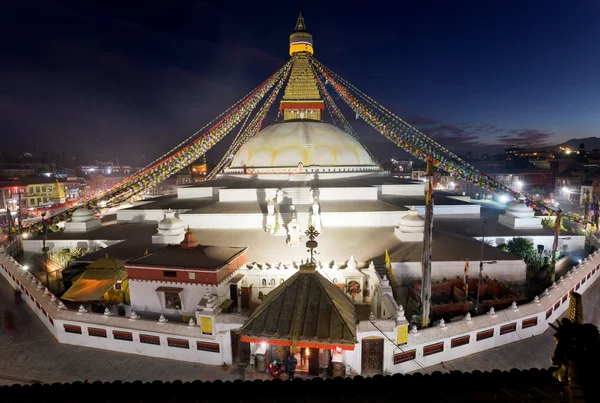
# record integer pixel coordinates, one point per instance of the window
(72, 329)
(169, 273)
(210, 347)
(548, 313)
(172, 300)
(433, 349)
(118, 335)
(486, 334)
(179, 343)
(511, 327)
(460, 341)
(148, 339)
(399, 358)
(37, 189)
(529, 323)
(192, 276)
(93, 331)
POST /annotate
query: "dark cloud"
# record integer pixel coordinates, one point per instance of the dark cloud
(527, 138)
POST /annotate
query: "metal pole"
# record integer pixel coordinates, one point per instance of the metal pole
(480, 266)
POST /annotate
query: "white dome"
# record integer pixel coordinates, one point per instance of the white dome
(285, 145)
(82, 215)
(412, 222)
(170, 224)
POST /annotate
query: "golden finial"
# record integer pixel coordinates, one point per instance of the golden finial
(575, 311)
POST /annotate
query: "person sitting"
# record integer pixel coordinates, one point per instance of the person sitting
(276, 369)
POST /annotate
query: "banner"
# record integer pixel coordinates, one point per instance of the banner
(402, 335)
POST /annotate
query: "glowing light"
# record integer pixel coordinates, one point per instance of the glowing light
(263, 344)
(565, 189)
(503, 198)
(338, 350)
(307, 352)
(25, 267)
(579, 260)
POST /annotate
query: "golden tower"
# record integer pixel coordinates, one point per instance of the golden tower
(575, 311)
(301, 99)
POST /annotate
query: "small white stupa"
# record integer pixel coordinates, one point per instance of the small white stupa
(171, 229)
(519, 216)
(411, 227)
(82, 220)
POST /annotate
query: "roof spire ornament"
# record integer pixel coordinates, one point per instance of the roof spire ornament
(300, 25)
(312, 244)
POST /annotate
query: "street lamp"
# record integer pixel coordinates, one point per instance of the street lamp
(481, 263)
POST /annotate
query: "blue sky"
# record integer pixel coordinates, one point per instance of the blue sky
(115, 80)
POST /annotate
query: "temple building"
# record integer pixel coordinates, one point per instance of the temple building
(219, 271)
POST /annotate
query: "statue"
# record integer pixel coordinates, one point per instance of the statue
(271, 217)
(293, 233)
(315, 215)
(270, 207)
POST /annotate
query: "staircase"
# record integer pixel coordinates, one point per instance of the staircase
(382, 270)
(295, 196)
(285, 218)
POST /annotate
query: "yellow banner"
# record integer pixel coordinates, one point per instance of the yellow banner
(402, 335)
(206, 324)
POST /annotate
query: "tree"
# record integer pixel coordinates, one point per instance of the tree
(522, 247)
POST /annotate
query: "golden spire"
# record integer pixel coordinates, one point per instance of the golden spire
(301, 99)
(300, 25)
(300, 40)
(575, 311)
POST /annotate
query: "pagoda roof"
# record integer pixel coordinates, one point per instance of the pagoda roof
(305, 311)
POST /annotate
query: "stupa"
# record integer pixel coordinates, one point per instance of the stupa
(519, 216)
(171, 230)
(83, 220)
(411, 227)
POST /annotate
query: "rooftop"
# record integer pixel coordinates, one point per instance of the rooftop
(201, 256)
(307, 308)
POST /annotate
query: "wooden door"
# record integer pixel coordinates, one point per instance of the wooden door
(372, 356)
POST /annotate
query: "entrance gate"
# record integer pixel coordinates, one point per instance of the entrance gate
(372, 356)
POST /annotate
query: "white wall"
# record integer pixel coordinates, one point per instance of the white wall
(56, 245)
(504, 270)
(195, 192)
(150, 215)
(466, 209)
(576, 243)
(414, 189)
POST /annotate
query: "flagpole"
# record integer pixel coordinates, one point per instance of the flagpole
(426, 253)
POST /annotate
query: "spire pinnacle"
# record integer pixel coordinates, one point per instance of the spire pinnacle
(300, 25)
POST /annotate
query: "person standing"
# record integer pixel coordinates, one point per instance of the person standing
(290, 364)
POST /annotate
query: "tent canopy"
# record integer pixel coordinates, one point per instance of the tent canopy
(106, 263)
(93, 284)
(306, 311)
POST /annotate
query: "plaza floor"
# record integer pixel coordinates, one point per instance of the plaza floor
(30, 354)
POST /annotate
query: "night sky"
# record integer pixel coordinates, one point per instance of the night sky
(130, 81)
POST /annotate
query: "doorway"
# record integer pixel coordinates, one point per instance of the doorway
(372, 356)
(233, 296)
(240, 351)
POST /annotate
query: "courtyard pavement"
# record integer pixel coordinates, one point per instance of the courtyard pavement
(30, 354)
